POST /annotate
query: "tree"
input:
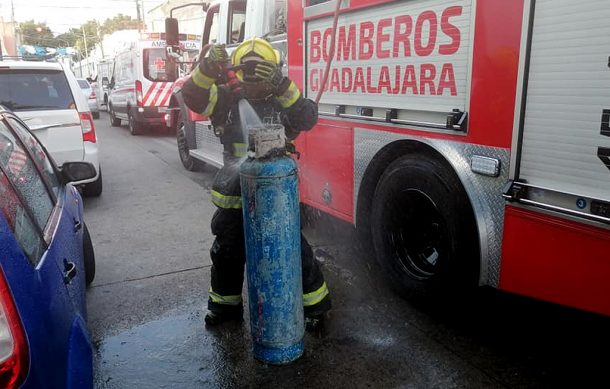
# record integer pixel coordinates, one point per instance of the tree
(89, 29)
(37, 34)
(119, 22)
(68, 39)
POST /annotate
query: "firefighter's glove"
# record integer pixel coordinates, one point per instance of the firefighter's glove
(215, 62)
(270, 73)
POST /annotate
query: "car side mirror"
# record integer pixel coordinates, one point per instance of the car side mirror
(172, 36)
(77, 171)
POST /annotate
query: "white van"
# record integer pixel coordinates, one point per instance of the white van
(141, 84)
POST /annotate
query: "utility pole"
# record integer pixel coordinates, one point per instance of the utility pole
(85, 40)
(99, 37)
(14, 27)
(143, 16)
(139, 16)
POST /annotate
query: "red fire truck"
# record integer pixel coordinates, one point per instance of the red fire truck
(469, 140)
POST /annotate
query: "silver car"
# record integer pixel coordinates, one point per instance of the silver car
(89, 93)
(47, 97)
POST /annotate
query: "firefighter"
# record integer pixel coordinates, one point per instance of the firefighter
(276, 99)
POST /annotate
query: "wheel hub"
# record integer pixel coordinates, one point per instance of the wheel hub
(417, 233)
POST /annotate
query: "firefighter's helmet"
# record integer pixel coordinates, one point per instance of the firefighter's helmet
(251, 51)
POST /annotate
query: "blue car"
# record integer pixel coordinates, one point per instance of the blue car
(46, 261)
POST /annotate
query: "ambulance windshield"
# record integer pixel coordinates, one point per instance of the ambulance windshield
(154, 66)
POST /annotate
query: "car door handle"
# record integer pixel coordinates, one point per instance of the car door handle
(69, 271)
(77, 225)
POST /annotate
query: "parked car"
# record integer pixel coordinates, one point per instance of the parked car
(47, 97)
(46, 261)
(89, 92)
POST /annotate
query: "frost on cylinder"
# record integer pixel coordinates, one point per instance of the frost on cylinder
(273, 256)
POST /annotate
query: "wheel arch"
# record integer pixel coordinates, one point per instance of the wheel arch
(177, 101)
(174, 102)
(487, 212)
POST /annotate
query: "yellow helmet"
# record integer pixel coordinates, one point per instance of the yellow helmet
(254, 47)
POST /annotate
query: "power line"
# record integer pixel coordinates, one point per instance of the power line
(80, 6)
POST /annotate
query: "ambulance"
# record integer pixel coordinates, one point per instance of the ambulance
(141, 83)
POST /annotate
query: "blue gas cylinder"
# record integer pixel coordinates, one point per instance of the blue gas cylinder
(270, 200)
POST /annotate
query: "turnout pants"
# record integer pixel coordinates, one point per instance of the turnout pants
(228, 255)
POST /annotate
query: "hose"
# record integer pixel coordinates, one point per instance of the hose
(332, 52)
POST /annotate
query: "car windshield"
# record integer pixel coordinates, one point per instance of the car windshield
(154, 65)
(27, 90)
(83, 84)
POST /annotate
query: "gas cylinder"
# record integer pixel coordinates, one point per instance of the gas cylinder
(270, 202)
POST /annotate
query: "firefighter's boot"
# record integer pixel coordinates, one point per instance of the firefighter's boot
(315, 315)
(314, 323)
(215, 318)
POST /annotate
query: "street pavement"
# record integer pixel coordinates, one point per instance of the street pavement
(150, 230)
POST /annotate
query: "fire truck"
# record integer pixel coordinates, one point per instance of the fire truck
(468, 141)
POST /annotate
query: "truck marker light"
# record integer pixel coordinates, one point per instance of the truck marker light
(485, 165)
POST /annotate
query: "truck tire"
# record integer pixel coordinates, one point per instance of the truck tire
(114, 121)
(94, 189)
(189, 163)
(423, 229)
(135, 127)
(89, 257)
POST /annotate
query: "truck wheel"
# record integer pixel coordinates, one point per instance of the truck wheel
(94, 189)
(189, 163)
(135, 128)
(114, 121)
(423, 229)
(89, 257)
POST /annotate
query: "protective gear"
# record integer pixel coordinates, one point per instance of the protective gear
(269, 73)
(257, 46)
(215, 318)
(252, 51)
(296, 114)
(215, 62)
(228, 259)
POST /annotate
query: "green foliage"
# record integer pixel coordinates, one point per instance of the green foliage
(68, 39)
(119, 22)
(37, 34)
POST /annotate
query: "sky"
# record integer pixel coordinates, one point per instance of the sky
(61, 15)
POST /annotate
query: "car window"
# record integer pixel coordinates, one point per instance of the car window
(21, 171)
(40, 157)
(26, 90)
(26, 234)
(83, 84)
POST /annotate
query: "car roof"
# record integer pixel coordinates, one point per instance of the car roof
(34, 65)
(4, 111)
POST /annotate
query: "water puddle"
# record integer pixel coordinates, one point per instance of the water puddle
(171, 352)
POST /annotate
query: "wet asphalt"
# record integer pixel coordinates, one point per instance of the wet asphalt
(151, 235)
